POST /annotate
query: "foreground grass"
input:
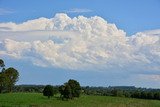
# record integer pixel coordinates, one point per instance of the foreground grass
(38, 100)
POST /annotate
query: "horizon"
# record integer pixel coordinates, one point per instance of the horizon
(108, 43)
(84, 86)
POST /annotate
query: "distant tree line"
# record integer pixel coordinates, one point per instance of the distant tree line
(124, 91)
(8, 77)
(30, 88)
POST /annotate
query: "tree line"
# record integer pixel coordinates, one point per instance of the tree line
(124, 91)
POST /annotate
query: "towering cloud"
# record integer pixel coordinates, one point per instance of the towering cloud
(80, 43)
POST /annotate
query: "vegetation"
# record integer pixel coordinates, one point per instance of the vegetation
(1, 63)
(91, 96)
(8, 77)
(31, 88)
(123, 91)
(11, 77)
(1, 75)
(70, 89)
(48, 91)
(38, 100)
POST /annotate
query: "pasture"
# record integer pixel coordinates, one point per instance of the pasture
(38, 100)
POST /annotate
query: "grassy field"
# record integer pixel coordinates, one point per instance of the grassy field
(38, 100)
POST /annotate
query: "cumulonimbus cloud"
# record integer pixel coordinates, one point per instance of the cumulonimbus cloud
(80, 43)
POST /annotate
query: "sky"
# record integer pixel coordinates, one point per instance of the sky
(98, 42)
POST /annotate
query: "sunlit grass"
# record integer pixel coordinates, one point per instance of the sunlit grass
(38, 100)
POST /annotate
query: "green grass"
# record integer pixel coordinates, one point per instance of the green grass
(38, 100)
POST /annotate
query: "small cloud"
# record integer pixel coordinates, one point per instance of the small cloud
(77, 10)
(5, 11)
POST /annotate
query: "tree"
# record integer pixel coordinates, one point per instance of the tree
(1, 81)
(70, 89)
(61, 90)
(48, 91)
(2, 63)
(114, 92)
(144, 95)
(157, 95)
(11, 77)
(127, 94)
(67, 92)
(55, 90)
(150, 95)
(1, 75)
(136, 94)
(75, 88)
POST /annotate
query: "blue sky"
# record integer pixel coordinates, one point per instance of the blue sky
(131, 16)
(105, 61)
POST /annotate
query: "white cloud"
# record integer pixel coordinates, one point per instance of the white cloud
(80, 43)
(5, 11)
(77, 10)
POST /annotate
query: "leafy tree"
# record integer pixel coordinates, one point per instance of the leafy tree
(157, 95)
(55, 90)
(1, 81)
(11, 77)
(61, 90)
(2, 63)
(144, 95)
(70, 89)
(67, 92)
(150, 95)
(1, 75)
(114, 92)
(127, 94)
(48, 91)
(136, 94)
(75, 88)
